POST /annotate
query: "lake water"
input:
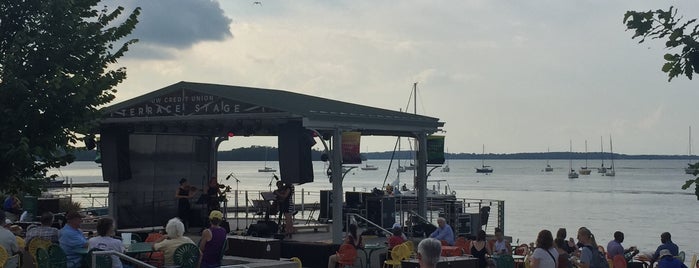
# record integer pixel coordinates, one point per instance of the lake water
(643, 200)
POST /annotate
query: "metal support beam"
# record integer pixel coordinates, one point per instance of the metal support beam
(336, 167)
(421, 179)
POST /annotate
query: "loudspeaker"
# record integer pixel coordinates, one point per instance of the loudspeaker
(468, 224)
(114, 148)
(326, 205)
(263, 229)
(354, 200)
(382, 211)
(295, 144)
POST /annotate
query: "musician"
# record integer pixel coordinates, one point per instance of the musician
(183, 194)
(283, 199)
(213, 192)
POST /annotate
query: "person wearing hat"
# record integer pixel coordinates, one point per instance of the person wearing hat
(667, 260)
(71, 239)
(45, 230)
(212, 240)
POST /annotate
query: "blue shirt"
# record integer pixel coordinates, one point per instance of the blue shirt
(614, 248)
(674, 250)
(445, 233)
(70, 240)
(670, 262)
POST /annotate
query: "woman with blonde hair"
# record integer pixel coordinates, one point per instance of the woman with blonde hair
(589, 254)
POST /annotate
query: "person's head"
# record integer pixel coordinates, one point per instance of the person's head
(105, 227)
(480, 236)
(665, 237)
(561, 234)
(428, 252)
(174, 228)
(586, 237)
(397, 231)
(544, 240)
(353, 229)
(619, 236)
(498, 234)
(46, 218)
(183, 182)
(73, 218)
(280, 184)
(215, 217)
(441, 222)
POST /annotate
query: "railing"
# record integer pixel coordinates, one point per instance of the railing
(387, 232)
(120, 255)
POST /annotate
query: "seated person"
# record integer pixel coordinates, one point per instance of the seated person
(443, 232)
(12, 207)
(351, 238)
(614, 248)
(44, 231)
(428, 252)
(667, 260)
(71, 239)
(7, 238)
(104, 240)
(173, 239)
(501, 246)
(666, 241)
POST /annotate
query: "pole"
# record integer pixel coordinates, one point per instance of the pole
(237, 219)
(337, 186)
(422, 174)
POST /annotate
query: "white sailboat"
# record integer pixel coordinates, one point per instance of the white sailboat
(601, 169)
(610, 171)
(548, 167)
(690, 170)
(367, 166)
(571, 172)
(266, 168)
(484, 169)
(584, 170)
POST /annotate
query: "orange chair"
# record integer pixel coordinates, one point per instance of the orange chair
(155, 258)
(619, 261)
(463, 244)
(491, 245)
(522, 249)
(346, 255)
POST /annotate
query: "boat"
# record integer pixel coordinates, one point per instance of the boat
(484, 169)
(610, 171)
(548, 167)
(369, 167)
(689, 169)
(601, 169)
(266, 168)
(571, 172)
(584, 170)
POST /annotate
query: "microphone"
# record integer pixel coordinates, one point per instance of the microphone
(229, 176)
(275, 177)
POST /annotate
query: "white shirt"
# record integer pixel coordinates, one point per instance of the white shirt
(107, 243)
(544, 258)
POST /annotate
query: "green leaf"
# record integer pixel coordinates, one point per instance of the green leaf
(688, 183)
(668, 57)
(667, 66)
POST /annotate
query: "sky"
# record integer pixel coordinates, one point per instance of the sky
(515, 76)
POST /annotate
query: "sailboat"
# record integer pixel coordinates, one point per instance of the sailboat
(266, 168)
(601, 169)
(445, 168)
(689, 169)
(571, 172)
(584, 170)
(610, 171)
(484, 169)
(548, 167)
(369, 167)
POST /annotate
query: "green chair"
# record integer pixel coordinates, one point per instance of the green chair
(187, 256)
(103, 261)
(505, 261)
(223, 249)
(680, 256)
(42, 258)
(57, 258)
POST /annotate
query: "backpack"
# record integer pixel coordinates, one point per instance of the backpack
(598, 259)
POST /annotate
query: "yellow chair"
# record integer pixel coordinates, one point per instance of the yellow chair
(694, 262)
(37, 243)
(3, 256)
(527, 264)
(297, 261)
(411, 248)
(610, 263)
(398, 254)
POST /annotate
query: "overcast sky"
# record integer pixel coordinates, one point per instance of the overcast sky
(517, 76)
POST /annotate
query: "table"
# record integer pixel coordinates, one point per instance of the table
(371, 248)
(133, 249)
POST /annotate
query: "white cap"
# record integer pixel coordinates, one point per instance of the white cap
(396, 225)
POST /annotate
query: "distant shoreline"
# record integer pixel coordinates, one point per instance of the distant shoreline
(257, 153)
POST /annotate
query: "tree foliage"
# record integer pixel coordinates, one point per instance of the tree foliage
(56, 70)
(680, 37)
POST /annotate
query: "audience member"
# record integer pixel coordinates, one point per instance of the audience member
(479, 249)
(45, 230)
(428, 252)
(666, 241)
(351, 238)
(71, 238)
(563, 256)
(667, 260)
(105, 241)
(614, 247)
(588, 252)
(12, 207)
(174, 238)
(443, 232)
(7, 238)
(545, 255)
(212, 240)
(501, 245)
(569, 245)
(396, 237)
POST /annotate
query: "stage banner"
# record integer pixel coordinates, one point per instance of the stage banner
(435, 150)
(350, 147)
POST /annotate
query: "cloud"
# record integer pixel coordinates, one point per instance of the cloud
(177, 24)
